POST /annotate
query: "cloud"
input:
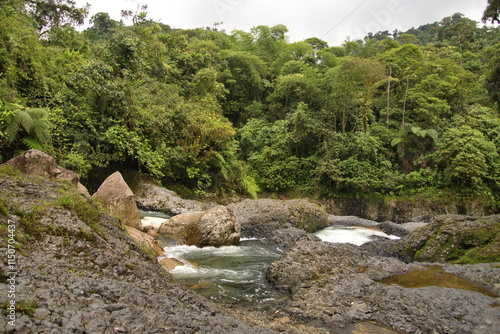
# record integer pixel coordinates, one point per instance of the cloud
(332, 21)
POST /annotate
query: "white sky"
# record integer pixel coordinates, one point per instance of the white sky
(332, 21)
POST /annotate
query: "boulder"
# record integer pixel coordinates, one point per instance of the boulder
(260, 218)
(333, 285)
(170, 263)
(285, 239)
(215, 227)
(155, 198)
(145, 240)
(152, 224)
(119, 200)
(35, 162)
(461, 239)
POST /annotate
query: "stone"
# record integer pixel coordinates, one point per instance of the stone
(461, 239)
(155, 198)
(215, 227)
(35, 162)
(82, 190)
(260, 218)
(95, 281)
(119, 200)
(145, 240)
(170, 263)
(152, 223)
(334, 285)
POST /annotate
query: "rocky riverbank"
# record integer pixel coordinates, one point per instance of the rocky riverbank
(80, 271)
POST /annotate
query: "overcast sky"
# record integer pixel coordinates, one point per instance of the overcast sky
(333, 21)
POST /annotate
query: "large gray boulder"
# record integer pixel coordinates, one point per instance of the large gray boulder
(215, 227)
(119, 200)
(155, 198)
(260, 218)
(333, 285)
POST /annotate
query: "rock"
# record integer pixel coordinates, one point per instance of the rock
(82, 190)
(259, 218)
(152, 223)
(462, 239)
(393, 229)
(421, 208)
(350, 221)
(78, 277)
(119, 200)
(215, 227)
(287, 238)
(170, 263)
(333, 285)
(145, 240)
(35, 162)
(155, 198)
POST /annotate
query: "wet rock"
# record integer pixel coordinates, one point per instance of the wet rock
(145, 240)
(215, 227)
(287, 238)
(155, 198)
(259, 218)
(393, 229)
(350, 221)
(170, 263)
(119, 200)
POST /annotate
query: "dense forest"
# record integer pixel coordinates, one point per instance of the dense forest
(397, 113)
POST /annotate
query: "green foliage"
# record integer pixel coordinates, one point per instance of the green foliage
(219, 113)
(468, 161)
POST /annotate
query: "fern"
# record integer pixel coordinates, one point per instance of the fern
(11, 132)
(32, 143)
(248, 182)
(25, 119)
(31, 121)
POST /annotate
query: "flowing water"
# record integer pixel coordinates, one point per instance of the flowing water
(238, 273)
(229, 273)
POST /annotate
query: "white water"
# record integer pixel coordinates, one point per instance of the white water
(352, 235)
(232, 273)
(237, 273)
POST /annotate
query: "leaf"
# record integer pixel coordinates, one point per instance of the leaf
(415, 129)
(32, 143)
(433, 134)
(396, 141)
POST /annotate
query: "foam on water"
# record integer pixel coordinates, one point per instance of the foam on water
(237, 273)
(352, 235)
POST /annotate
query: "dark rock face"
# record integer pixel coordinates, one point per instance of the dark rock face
(334, 285)
(462, 239)
(402, 211)
(155, 198)
(90, 277)
(259, 218)
(215, 227)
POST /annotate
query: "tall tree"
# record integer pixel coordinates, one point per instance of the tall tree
(492, 12)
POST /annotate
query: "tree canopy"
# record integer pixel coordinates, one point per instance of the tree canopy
(231, 113)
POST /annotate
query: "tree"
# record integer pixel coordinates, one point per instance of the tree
(492, 11)
(366, 76)
(54, 13)
(467, 160)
